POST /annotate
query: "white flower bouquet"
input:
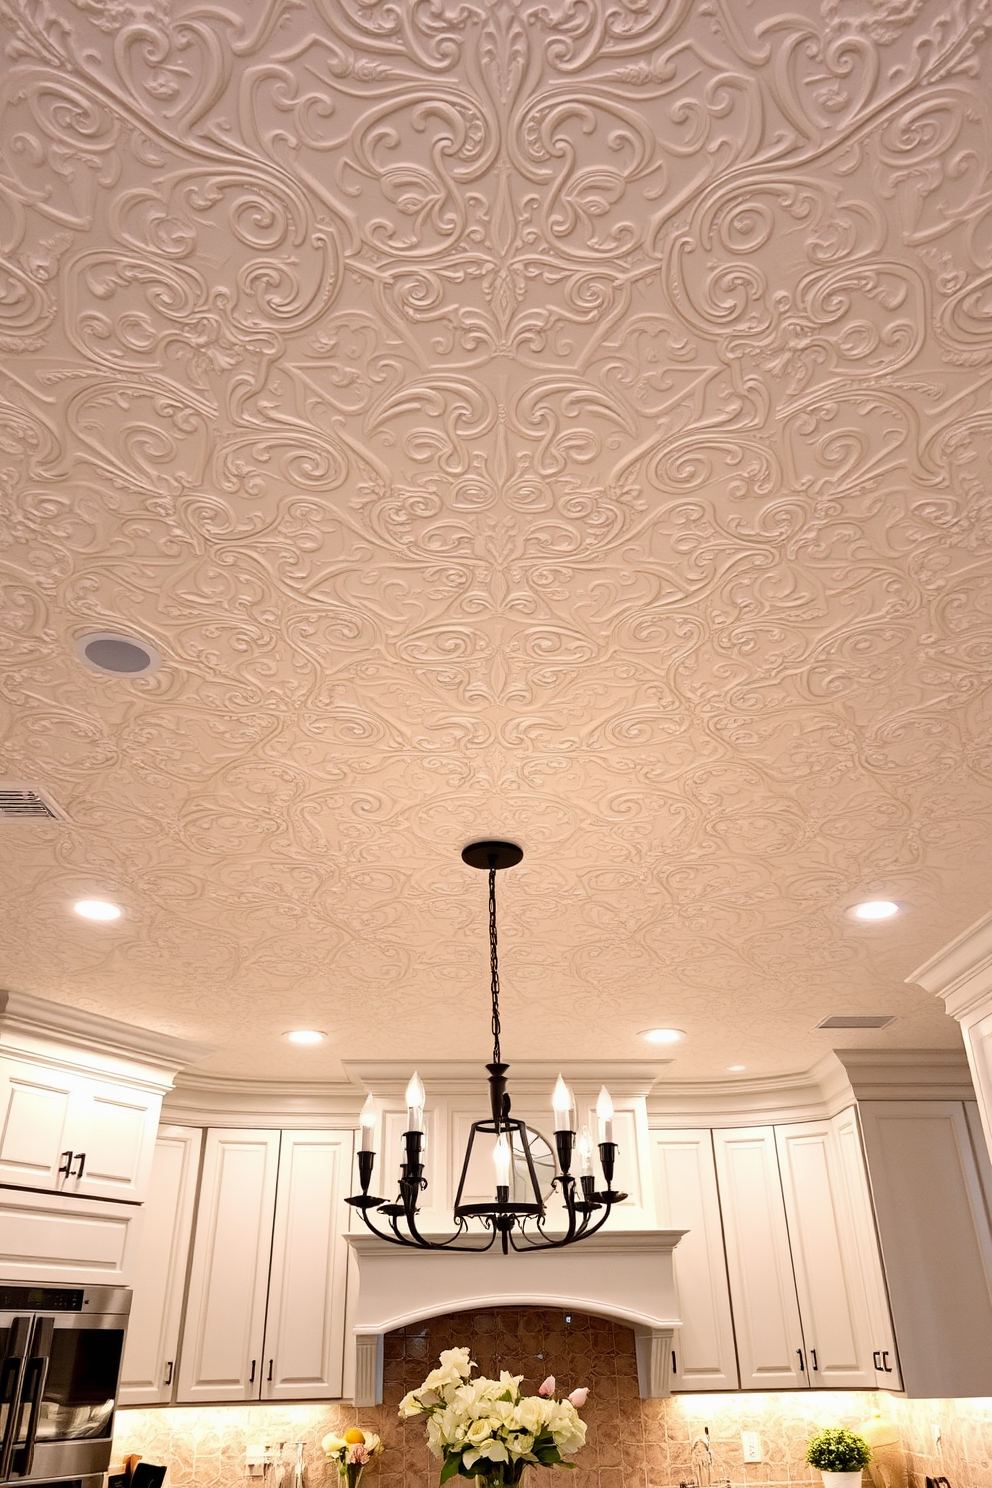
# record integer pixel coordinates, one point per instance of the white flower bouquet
(486, 1428)
(351, 1452)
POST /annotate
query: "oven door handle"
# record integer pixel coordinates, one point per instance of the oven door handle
(11, 1385)
(37, 1374)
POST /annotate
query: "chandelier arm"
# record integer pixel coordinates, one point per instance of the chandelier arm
(381, 1234)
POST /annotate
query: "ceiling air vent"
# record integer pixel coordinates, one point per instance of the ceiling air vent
(857, 1020)
(27, 803)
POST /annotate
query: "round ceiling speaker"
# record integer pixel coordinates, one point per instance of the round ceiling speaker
(117, 655)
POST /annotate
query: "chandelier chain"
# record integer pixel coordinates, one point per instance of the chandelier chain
(494, 963)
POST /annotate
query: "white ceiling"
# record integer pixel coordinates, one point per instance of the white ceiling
(551, 419)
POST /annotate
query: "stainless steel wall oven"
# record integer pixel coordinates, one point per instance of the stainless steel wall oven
(60, 1362)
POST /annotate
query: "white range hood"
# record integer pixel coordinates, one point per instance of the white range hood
(626, 1275)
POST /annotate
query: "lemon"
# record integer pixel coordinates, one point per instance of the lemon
(354, 1435)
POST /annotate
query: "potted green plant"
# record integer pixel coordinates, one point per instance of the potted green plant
(840, 1455)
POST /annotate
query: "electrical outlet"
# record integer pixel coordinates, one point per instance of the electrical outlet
(935, 1433)
(751, 1442)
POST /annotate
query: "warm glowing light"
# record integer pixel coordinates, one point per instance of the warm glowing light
(416, 1095)
(501, 1161)
(662, 1035)
(875, 909)
(97, 909)
(735, 1069)
(304, 1036)
(561, 1104)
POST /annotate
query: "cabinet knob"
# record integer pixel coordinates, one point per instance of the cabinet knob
(802, 1362)
(885, 1361)
(675, 1367)
(876, 1359)
(812, 1354)
(269, 1375)
(251, 1377)
(81, 1159)
(168, 1372)
(66, 1163)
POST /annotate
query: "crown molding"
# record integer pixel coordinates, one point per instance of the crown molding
(961, 973)
(806, 1095)
(221, 1100)
(80, 1039)
(908, 1074)
(627, 1078)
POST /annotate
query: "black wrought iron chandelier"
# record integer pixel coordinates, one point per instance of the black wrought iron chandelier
(517, 1223)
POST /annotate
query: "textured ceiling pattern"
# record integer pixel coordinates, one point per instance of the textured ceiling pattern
(565, 419)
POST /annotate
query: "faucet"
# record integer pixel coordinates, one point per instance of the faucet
(702, 1461)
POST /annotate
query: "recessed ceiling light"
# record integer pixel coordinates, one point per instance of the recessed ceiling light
(663, 1035)
(97, 909)
(735, 1069)
(874, 909)
(304, 1036)
(116, 654)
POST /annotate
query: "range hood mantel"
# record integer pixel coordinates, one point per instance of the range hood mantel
(626, 1275)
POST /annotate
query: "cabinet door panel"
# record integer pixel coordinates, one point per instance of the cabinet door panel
(112, 1130)
(225, 1314)
(304, 1328)
(35, 1105)
(770, 1346)
(686, 1197)
(833, 1300)
(936, 1243)
(883, 1345)
(152, 1347)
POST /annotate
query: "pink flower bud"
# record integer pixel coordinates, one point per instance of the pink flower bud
(579, 1397)
(548, 1388)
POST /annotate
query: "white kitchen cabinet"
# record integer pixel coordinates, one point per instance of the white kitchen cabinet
(304, 1325)
(847, 1146)
(704, 1355)
(67, 1132)
(771, 1349)
(265, 1310)
(166, 1224)
(933, 1225)
(828, 1263)
(225, 1312)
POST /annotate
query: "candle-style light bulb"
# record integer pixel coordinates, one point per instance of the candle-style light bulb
(561, 1104)
(415, 1098)
(366, 1121)
(501, 1161)
(584, 1145)
(604, 1110)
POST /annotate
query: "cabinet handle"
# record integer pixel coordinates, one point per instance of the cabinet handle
(66, 1163)
(81, 1159)
(876, 1359)
(802, 1364)
(251, 1377)
(168, 1373)
(812, 1354)
(269, 1375)
(885, 1361)
(675, 1367)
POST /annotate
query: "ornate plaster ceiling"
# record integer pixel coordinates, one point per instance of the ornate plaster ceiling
(560, 419)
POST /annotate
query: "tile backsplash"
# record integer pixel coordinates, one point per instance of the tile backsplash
(632, 1443)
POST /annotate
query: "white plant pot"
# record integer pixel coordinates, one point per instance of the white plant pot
(841, 1479)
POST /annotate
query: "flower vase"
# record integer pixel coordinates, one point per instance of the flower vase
(841, 1479)
(501, 1477)
(352, 1474)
